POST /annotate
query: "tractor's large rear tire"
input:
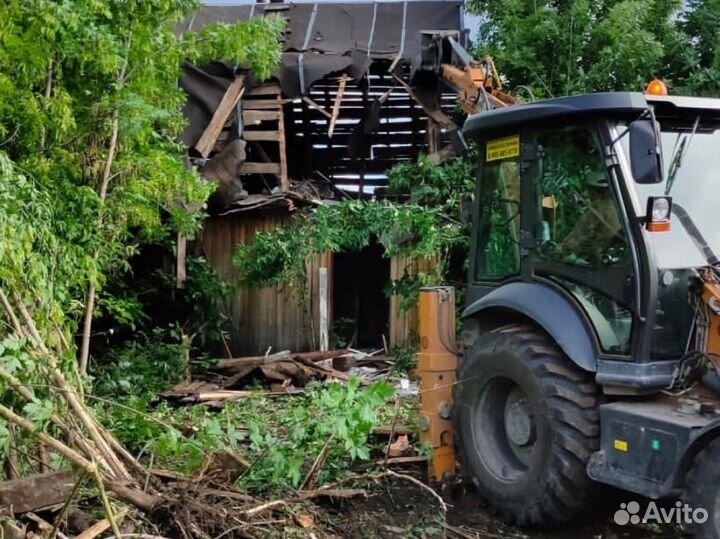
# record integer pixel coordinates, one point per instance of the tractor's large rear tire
(527, 422)
(702, 491)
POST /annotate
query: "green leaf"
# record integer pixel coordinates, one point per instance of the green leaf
(39, 412)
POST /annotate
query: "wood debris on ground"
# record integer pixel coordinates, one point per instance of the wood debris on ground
(285, 373)
(172, 505)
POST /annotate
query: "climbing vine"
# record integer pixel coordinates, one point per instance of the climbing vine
(423, 220)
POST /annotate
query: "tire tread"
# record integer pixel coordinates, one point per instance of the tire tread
(573, 400)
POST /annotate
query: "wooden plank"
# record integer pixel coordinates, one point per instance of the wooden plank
(181, 270)
(336, 106)
(373, 166)
(261, 135)
(265, 89)
(36, 491)
(207, 140)
(316, 107)
(435, 113)
(253, 117)
(324, 333)
(260, 168)
(284, 182)
(263, 104)
(336, 154)
(100, 526)
(433, 136)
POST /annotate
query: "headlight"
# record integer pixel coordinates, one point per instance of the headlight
(657, 216)
(661, 209)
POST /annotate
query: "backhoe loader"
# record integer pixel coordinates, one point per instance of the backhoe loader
(591, 329)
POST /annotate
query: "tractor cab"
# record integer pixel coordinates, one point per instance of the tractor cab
(609, 201)
(592, 322)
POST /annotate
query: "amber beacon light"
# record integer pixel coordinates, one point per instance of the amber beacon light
(656, 87)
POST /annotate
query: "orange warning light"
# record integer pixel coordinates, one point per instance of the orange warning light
(656, 87)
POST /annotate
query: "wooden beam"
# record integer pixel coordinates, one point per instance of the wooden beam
(99, 527)
(284, 182)
(435, 113)
(442, 155)
(207, 140)
(181, 269)
(260, 168)
(265, 89)
(336, 106)
(323, 290)
(261, 135)
(254, 117)
(36, 491)
(263, 104)
(317, 107)
(433, 136)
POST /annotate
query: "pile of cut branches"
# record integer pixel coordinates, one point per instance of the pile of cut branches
(178, 505)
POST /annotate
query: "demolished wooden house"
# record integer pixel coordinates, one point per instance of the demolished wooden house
(337, 115)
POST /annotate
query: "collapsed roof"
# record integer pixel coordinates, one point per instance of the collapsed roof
(325, 38)
(348, 136)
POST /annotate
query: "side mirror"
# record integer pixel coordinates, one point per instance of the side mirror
(645, 154)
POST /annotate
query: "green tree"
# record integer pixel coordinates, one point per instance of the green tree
(90, 112)
(696, 59)
(573, 46)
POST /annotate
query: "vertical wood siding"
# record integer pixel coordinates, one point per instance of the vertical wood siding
(404, 324)
(260, 318)
(273, 316)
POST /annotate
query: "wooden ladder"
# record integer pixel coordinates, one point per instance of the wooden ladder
(262, 114)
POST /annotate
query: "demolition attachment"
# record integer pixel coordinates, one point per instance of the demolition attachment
(437, 366)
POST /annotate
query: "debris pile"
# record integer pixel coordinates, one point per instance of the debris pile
(285, 373)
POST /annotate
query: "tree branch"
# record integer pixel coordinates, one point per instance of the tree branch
(104, 183)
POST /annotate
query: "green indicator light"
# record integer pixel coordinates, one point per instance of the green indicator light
(655, 444)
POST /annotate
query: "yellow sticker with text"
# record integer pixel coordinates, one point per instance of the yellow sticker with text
(621, 445)
(503, 148)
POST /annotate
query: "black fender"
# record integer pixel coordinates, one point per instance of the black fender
(676, 481)
(549, 309)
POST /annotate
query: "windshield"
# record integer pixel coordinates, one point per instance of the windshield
(695, 189)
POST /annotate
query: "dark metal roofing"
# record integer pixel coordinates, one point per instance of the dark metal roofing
(324, 38)
(606, 104)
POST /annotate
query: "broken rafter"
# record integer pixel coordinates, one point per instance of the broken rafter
(435, 113)
(207, 140)
(336, 105)
(317, 107)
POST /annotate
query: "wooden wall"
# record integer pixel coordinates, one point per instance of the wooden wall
(260, 318)
(404, 324)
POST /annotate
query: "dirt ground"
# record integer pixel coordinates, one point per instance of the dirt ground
(395, 510)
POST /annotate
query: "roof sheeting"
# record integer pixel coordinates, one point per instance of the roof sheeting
(324, 38)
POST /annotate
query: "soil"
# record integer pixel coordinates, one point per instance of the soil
(398, 510)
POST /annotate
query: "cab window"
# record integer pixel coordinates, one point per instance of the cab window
(581, 225)
(581, 241)
(498, 245)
